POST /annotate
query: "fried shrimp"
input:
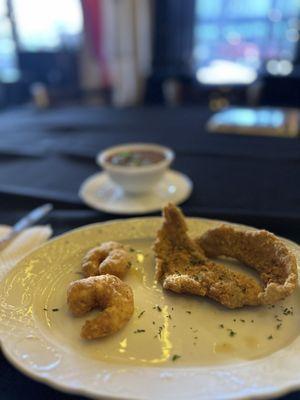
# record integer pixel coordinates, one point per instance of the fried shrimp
(260, 250)
(113, 296)
(108, 258)
(182, 267)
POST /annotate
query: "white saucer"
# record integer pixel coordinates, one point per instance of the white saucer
(99, 192)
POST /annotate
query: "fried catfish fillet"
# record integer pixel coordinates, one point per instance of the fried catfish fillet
(183, 267)
(260, 250)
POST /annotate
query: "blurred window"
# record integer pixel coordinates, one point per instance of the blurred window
(44, 25)
(235, 40)
(36, 26)
(8, 60)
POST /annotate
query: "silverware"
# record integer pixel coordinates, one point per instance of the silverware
(25, 222)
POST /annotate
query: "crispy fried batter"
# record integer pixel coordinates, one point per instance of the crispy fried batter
(182, 267)
(108, 258)
(260, 250)
(110, 294)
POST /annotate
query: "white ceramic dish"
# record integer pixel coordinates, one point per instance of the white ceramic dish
(99, 192)
(45, 344)
(136, 179)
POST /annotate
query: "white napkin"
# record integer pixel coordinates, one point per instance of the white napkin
(21, 245)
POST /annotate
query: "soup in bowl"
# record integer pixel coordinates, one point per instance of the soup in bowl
(136, 167)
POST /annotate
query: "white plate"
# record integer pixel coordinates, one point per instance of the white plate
(99, 192)
(45, 344)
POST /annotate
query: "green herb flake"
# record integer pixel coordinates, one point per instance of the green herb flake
(221, 326)
(139, 331)
(55, 309)
(231, 333)
(141, 313)
(288, 311)
(160, 330)
(175, 357)
(270, 337)
(189, 312)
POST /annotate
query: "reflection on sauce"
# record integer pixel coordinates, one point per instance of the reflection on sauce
(123, 346)
(140, 257)
(164, 338)
(166, 344)
(136, 268)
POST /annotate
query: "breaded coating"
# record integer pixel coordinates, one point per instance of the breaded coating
(182, 267)
(108, 258)
(113, 296)
(261, 250)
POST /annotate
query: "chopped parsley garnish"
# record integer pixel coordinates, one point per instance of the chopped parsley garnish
(160, 329)
(141, 313)
(189, 312)
(158, 308)
(45, 309)
(270, 337)
(231, 333)
(175, 357)
(221, 326)
(139, 331)
(278, 326)
(131, 249)
(288, 311)
(55, 309)
(242, 320)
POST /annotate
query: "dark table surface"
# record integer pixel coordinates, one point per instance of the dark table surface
(45, 156)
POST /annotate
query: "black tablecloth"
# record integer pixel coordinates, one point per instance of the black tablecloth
(45, 156)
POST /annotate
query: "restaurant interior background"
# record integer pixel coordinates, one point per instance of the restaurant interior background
(125, 53)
